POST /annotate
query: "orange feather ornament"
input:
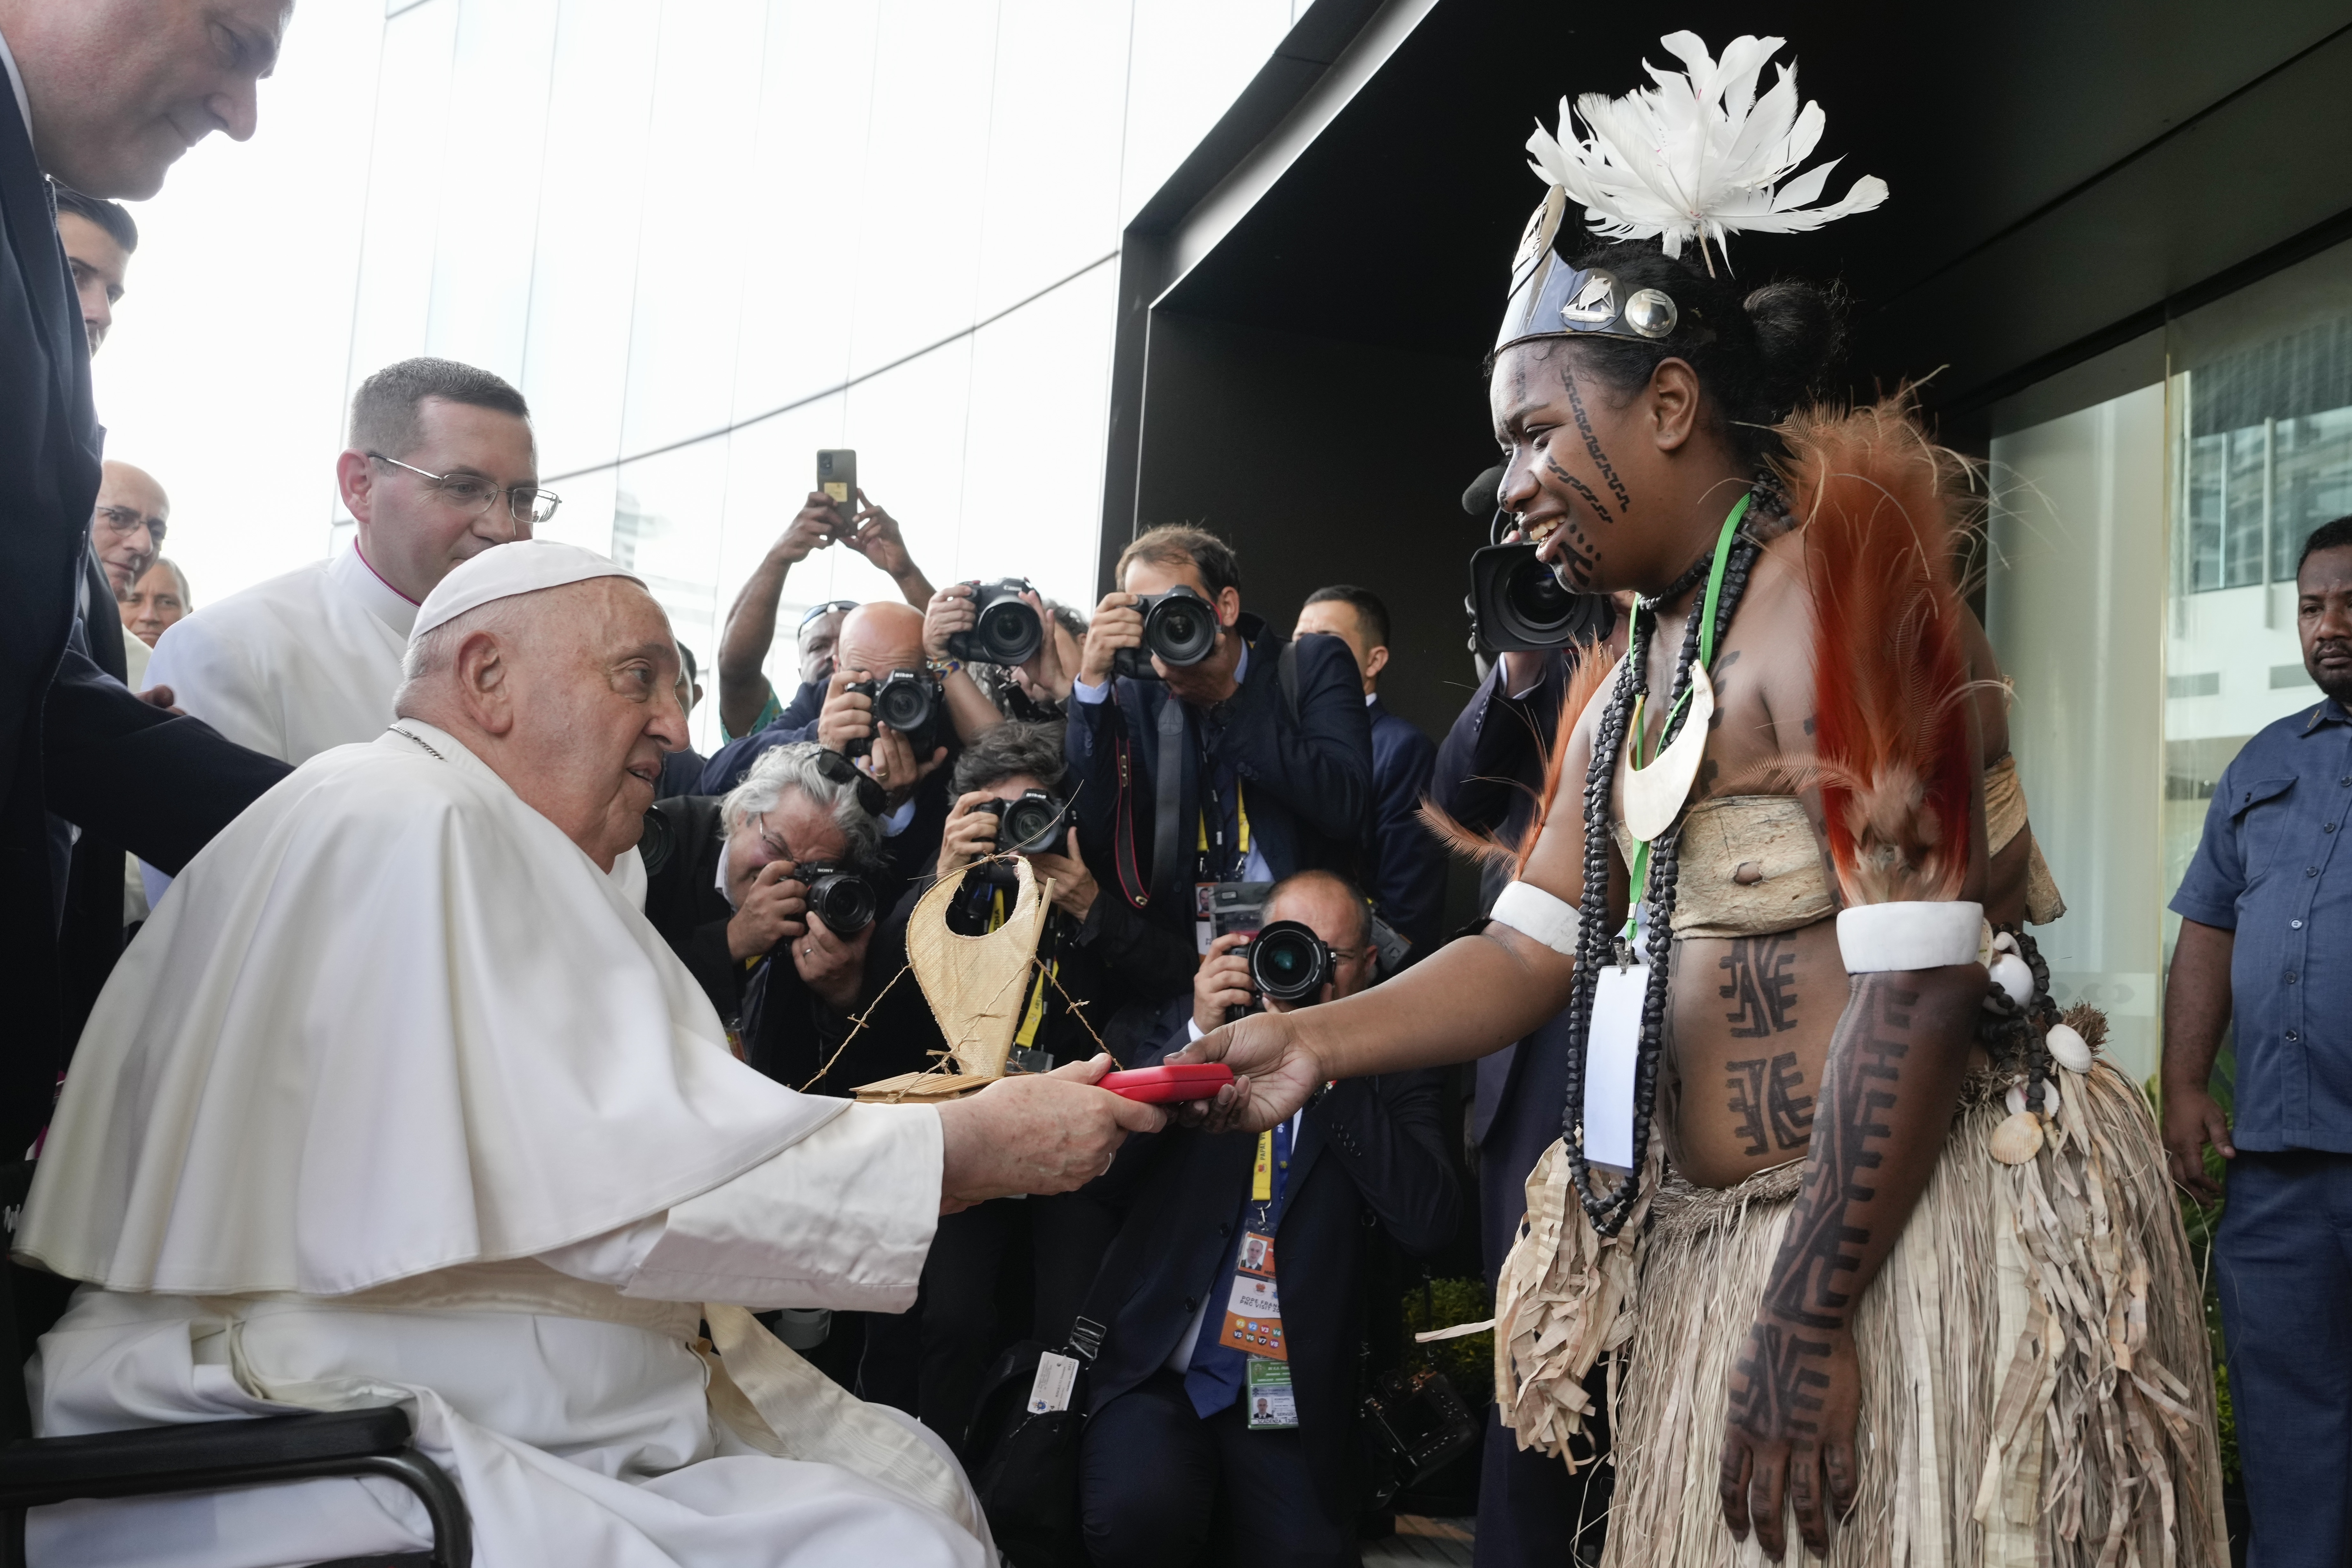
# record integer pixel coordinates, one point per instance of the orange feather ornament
(1877, 503)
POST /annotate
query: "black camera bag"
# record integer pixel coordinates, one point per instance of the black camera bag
(1024, 1467)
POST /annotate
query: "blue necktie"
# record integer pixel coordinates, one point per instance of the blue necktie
(1213, 1380)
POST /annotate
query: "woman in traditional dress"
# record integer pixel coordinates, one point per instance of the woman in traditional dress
(1888, 1257)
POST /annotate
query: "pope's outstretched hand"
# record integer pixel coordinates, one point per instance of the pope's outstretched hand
(1035, 1133)
(1275, 1070)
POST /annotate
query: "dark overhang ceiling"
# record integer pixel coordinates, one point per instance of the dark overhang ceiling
(2060, 172)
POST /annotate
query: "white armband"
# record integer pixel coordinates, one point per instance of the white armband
(1529, 911)
(1910, 935)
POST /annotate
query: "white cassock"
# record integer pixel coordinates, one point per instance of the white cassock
(398, 1099)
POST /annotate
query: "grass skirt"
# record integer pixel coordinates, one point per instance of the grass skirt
(2036, 1382)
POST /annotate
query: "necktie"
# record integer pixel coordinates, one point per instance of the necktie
(1214, 1380)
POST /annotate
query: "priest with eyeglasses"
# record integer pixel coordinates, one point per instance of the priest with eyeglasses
(398, 1099)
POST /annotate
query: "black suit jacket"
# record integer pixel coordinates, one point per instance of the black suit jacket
(1369, 1149)
(1489, 775)
(1404, 865)
(72, 740)
(1307, 780)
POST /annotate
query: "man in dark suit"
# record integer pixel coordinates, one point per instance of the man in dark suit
(104, 94)
(1404, 865)
(1246, 767)
(1176, 1456)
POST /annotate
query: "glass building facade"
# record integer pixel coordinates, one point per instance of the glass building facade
(2141, 596)
(707, 238)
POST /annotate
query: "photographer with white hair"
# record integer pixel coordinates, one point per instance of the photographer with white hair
(720, 875)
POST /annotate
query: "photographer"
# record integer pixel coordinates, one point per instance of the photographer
(747, 702)
(982, 694)
(1252, 760)
(1101, 970)
(1174, 1441)
(728, 895)
(880, 658)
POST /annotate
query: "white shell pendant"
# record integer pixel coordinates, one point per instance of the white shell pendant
(1653, 796)
(2068, 1048)
(2012, 974)
(2017, 1139)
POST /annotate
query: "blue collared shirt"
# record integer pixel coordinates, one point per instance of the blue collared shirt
(2266, 869)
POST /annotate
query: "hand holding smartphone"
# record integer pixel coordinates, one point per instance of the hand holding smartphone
(836, 475)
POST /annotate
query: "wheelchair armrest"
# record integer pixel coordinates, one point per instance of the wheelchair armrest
(155, 1453)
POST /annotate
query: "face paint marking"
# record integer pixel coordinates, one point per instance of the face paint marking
(1592, 445)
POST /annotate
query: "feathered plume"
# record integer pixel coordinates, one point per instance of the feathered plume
(1698, 155)
(1890, 670)
(1588, 668)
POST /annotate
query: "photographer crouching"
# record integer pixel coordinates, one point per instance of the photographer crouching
(1251, 754)
(1225, 1395)
(767, 895)
(1102, 971)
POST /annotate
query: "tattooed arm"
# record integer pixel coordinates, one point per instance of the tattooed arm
(1885, 1107)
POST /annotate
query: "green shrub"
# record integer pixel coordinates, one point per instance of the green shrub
(1468, 1363)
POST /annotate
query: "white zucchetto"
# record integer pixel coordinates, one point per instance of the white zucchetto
(503, 571)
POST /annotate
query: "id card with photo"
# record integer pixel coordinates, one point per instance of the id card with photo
(1266, 1395)
(1253, 1311)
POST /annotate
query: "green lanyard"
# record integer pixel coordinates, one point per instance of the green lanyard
(1641, 870)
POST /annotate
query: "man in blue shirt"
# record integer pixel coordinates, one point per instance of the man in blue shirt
(2262, 887)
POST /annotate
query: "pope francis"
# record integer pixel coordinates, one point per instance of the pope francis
(399, 1099)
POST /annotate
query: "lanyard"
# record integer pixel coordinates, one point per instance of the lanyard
(1033, 1016)
(1638, 880)
(1241, 812)
(1271, 1174)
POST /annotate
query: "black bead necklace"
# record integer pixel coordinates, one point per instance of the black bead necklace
(1597, 940)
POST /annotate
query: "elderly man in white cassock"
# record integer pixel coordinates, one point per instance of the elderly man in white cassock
(399, 1099)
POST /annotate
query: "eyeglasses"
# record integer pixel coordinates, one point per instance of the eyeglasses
(124, 519)
(474, 495)
(830, 607)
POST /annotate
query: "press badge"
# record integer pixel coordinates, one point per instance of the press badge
(1050, 1389)
(1253, 1311)
(1271, 1404)
(1611, 1049)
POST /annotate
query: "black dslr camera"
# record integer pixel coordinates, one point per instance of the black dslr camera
(910, 701)
(1008, 631)
(1035, 824)
(837, 895)
(1517, 603)
(1179, 626)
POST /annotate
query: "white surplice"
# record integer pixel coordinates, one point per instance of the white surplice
(398, 1099)
(294, 665)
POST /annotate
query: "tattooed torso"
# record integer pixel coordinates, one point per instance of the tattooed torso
(1749, 1019)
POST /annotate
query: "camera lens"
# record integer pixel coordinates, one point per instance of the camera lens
(1535, 595)
(1288, 961)
(843, 900)
(903, 705)
(1008, 633)
(1181, 628)
(1030, 824)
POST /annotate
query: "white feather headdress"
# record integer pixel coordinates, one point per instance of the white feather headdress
(1697, 156)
